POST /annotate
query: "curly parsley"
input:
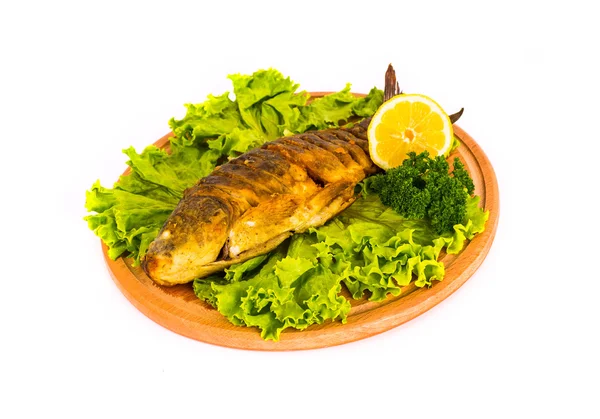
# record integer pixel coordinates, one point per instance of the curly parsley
(423, 187)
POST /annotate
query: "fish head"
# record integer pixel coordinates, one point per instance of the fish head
(191, 238)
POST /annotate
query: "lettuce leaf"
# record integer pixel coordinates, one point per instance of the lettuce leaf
(368, 248)
(217, 116)
(474, 223)
(286, 292)
(327, 111)
(267, 101)
(266, 106)
(126, 221)
(369, 104)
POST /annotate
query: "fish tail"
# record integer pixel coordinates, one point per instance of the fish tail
(392, 88)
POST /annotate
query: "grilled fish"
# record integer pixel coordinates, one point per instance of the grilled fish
(251, 204)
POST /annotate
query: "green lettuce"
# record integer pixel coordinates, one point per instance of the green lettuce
(368, 248)
(268, 102)
(329, 110)
(286, 292)
(128, 216)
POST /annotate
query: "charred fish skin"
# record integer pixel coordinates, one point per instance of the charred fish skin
(251, 204)
(286, 186)
(261, 197)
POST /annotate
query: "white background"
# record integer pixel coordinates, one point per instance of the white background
(80, 81)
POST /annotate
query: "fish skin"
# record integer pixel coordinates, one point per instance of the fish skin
(251, 204)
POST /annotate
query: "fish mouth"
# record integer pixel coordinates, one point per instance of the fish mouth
(176, 268)
(159, 268)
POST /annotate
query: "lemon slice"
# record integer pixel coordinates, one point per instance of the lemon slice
(407, 123)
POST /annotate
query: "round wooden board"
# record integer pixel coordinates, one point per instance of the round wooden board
(178, 309)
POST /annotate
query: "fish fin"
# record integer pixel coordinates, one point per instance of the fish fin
(456, 116)
(266, 247)
(260, 224)
(287, 213)
(325, 204)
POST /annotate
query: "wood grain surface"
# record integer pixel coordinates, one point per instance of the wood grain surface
(179, 310)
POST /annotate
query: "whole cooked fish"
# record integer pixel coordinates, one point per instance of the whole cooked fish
(251, 204)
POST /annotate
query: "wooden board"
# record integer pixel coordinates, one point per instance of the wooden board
(178, 309)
